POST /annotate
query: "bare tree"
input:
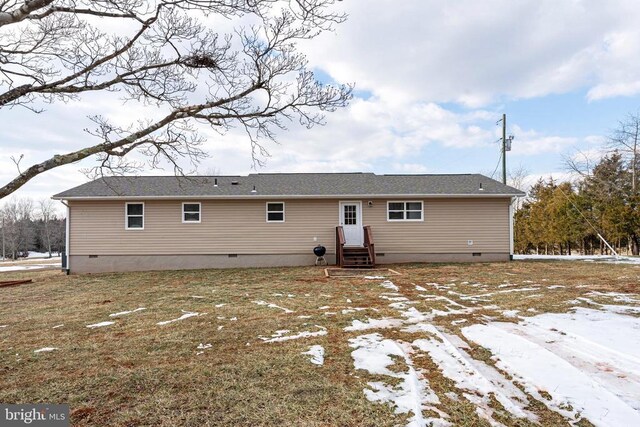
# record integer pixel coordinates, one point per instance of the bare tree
(625, 139)
(516, 179)
(18, 228)
(160, 53)
(46, 212)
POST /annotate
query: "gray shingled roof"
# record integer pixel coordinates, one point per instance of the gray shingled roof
(289, 185)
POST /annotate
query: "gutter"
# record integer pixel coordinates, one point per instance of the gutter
(66, 236)
(511, 233)
(292, 196)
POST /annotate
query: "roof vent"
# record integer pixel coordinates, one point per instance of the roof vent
(254, 191)
(215, 182)
(234, 183)
(481, 189)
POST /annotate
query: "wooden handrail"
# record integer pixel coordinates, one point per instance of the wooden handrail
(340, 242)
(368, 243)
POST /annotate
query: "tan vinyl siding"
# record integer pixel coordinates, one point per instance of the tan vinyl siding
(446, 227)
(240, 227)
(226, 227)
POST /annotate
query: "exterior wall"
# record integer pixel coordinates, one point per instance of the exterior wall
(226, 227)
(447, 226)
(239, 227)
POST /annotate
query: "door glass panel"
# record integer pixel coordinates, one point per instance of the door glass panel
(350, 215)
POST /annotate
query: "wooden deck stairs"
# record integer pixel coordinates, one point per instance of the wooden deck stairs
(355, 257)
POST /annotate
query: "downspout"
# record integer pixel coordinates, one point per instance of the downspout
(513, 199)
(66, 237)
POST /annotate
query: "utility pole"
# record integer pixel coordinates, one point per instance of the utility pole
(506, 146)
(504, 149)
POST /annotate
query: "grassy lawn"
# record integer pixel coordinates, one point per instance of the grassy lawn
(137, 372)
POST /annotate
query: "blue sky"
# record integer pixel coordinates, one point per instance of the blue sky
(432, 78)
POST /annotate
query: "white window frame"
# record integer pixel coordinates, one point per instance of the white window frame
(266, 208)
(199, 212)
(404, 210)
(126, 216)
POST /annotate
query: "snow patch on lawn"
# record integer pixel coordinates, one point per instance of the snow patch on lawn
(58, 326)
(462, 369)
(122, 313)
(588, 361)
(616, 296)
(394, 298)
(202, 347)
(588, 258)
(623, 309)
(280, 336)
(317, 354)
(413, 394)
(384, 323)
(45, 349)
(270, 305)
(28, 267)
(100, 325)
(186, 315)
(389, 285)
(373, 277)
(510, 313)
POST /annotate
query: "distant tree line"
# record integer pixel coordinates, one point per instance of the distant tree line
(564, 218)
(27, 226)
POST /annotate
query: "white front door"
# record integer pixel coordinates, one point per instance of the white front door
(351, 222)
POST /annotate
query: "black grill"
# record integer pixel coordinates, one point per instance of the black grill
(319, 250)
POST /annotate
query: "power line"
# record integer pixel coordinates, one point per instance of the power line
(589, 222)
(498, 165)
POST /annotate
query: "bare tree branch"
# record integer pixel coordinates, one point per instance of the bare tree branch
(253, 79)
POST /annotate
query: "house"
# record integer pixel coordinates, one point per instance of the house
(168, 222)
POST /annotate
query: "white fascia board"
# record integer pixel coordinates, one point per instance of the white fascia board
(293, 196)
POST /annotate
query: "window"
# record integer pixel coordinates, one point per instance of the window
(275, 212)
(404, 211)
(134, 213)
(191, 212)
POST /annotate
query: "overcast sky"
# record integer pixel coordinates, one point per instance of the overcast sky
(432, 78)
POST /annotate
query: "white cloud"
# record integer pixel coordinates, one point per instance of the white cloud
(609, 90)
(477, 52)
(532, 143)
(410, 168)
